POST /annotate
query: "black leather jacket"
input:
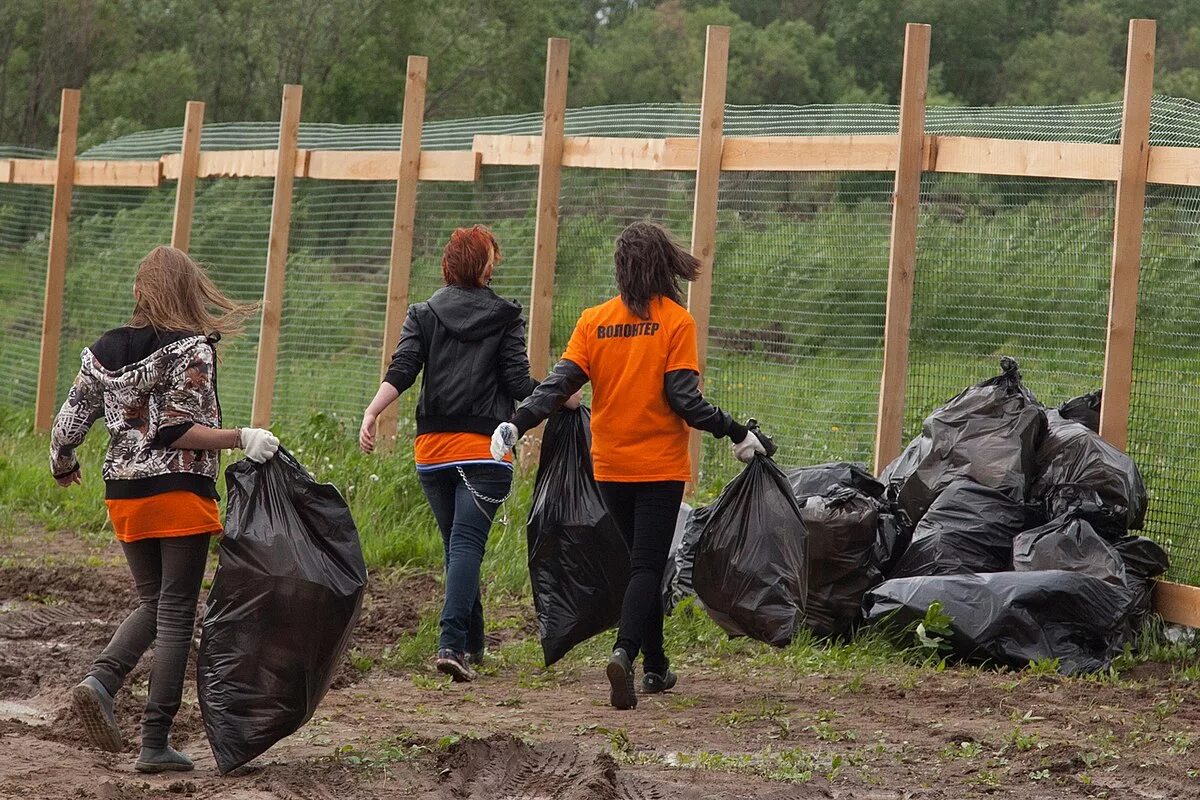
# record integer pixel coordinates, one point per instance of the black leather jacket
(471, 345)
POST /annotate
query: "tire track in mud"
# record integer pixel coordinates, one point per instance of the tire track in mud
(502, 767)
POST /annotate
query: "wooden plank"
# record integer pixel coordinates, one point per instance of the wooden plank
(981, 156)
(235, 164)
(56, 263)
(277, 246)
(704, 205)
(118, 173)
(902, 257)
(44, 172)
(189, 164)
(809, 153)
(545, 234)
(6, 170)
(381, 165)
(1179, 166)
(1178, 603)
(595, 152)
(408, 167)
(1127, 232)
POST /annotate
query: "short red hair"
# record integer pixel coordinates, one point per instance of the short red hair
(467, 254)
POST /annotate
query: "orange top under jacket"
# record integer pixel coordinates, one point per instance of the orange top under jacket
(160, 516)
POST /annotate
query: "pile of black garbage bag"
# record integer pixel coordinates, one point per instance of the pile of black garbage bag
(1015, 517)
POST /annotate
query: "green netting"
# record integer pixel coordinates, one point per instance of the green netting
(1009, 266)
(24, 226)
(1005, 266)
(1164, 433)
(111, 230)
(797, 312)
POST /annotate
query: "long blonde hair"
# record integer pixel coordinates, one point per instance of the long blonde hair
(174, 293)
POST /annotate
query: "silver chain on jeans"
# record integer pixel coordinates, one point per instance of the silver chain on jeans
(481, 497)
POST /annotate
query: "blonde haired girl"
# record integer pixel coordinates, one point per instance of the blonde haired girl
(154, 383)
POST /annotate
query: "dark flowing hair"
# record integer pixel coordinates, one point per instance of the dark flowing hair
(648, 262)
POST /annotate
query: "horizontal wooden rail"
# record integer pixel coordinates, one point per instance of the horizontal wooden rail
(1179, 166)
(384, 165)
(1178, 603)
(43, 171)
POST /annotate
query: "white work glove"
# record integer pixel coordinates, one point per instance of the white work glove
(574, 401)
(259, 445)
(747, 448)
(503, 439)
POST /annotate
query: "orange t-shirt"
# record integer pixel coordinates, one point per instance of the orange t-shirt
(636, 437)
(440, 449)
(161, 516)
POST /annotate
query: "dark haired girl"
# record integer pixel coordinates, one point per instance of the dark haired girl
(639, 352)
(471, 345)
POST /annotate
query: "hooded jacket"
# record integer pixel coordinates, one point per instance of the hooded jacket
(147, 401)
(471, 345)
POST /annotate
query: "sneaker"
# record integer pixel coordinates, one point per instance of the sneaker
(620, 680)
(655, 682)
(162, 759)
(455, 665)
(94, 707)
(475, 658)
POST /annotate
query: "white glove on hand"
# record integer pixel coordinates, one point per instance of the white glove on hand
(503, 439)
(259, 445)
(747, 448)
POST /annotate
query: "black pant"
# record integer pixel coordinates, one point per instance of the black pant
(646, 514)
(167, 573)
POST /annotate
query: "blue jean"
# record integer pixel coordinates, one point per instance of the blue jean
(464, 522)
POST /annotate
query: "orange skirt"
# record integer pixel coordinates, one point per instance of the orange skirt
(160, 516)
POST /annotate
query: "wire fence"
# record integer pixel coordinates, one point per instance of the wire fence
(1006, 266)
(24, 226)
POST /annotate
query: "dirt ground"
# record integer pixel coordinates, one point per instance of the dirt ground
(727, 731)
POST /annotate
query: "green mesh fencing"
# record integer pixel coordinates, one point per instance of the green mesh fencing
(1164, 427)
(1005, 266)
(24, 227)
(1009, 266)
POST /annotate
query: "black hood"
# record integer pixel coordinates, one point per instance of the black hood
(472, 314)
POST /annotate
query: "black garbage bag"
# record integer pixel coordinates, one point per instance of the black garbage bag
(842, 536)
(824, 479)
(1144, 561)
(677, 578)
(578, 559)
(892, 538)
(286, 596)
(969, 528)
(1013, 618)
(751, 568)
(1069, 543)
(988, 434)
(1142, 557)
(1084, 409)
(1074, 466)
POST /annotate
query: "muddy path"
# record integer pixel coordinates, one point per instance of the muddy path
(730, 729)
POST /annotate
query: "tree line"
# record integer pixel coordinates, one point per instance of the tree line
(138, 61)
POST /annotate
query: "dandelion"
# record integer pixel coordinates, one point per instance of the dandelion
(374, 478)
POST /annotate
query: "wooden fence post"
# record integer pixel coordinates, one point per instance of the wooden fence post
(277, 246)
(1127, 232)
(545, 233)
(56, 262)
(400, 262)
(704, 206)
(902, 258)
(189, 163)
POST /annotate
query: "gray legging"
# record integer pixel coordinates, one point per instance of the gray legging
(167, 573)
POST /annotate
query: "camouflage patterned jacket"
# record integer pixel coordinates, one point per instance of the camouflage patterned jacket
(146, 405)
